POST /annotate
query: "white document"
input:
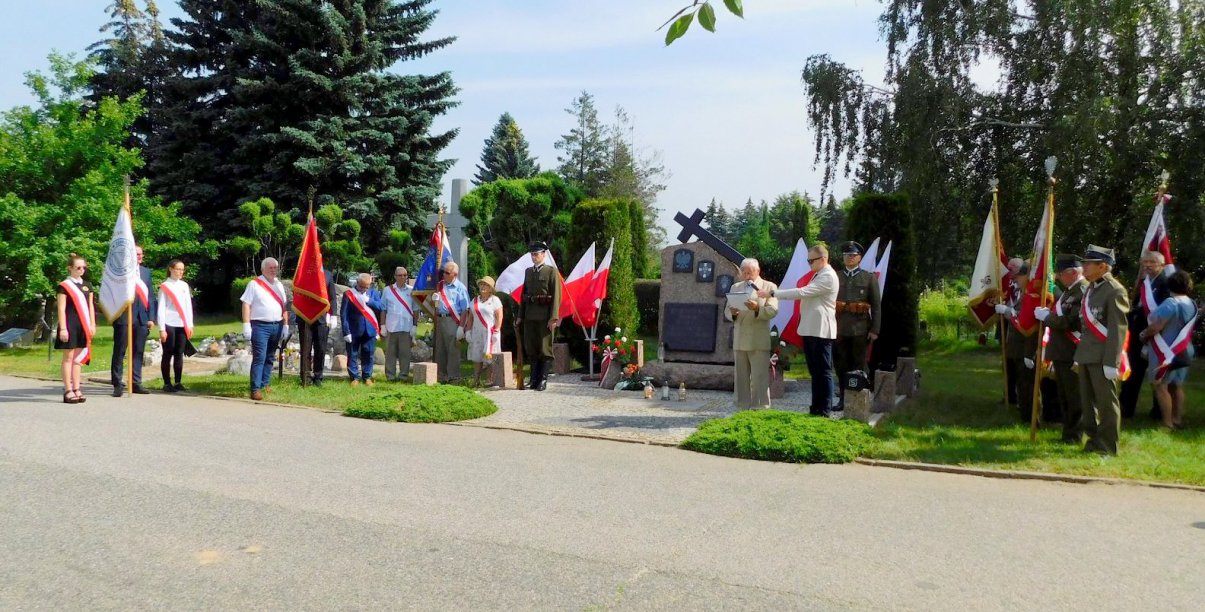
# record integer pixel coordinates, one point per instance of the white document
(737, 300)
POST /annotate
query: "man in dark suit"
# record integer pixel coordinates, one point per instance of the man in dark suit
(320, 330)
(144, 308)
(361, 330)
(539, 308)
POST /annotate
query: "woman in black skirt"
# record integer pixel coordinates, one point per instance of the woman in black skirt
(76, 325)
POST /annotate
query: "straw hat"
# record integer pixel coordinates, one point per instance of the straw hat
(486, 280)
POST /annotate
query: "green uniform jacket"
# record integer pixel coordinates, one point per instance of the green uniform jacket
(1019, 346)
(1061, 346)
(538, 287)
(1108, 302)
(860, 286)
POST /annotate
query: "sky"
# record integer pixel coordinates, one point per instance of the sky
(725, 111)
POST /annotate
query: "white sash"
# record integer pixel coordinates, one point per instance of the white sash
(84, 310)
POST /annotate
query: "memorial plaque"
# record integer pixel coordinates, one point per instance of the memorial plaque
(690, 327)
(706, 272)
(684, 261)
(723, 283)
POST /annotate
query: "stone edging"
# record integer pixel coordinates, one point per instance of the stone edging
(1023, 475)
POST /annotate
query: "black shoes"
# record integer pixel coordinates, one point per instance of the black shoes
(180, 387)
(169, 388)
(117, 392)
(141, 390)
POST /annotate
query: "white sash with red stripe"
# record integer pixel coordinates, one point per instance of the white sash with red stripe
(272, 292)
(185, 314)
(490, 329)
(358, 301)
(1101, 333)
(448, 304)
(1165, 353)
(140, 289)
(402, 300)
(84, 310)
(1146, 294)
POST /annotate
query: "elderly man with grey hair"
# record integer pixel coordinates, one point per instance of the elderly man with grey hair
(1154, 268)
(451, 300)
(264, 307)
(360, 328)
(751, 341)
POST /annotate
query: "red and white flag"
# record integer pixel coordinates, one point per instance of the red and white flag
(591, 304)
(799, 274)
(1156, 238)
(576, 288)
(880, 268)
(989, 280)
(511, 280)
(1040, 277)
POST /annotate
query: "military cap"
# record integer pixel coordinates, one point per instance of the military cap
(851, 248)
(1064, 261)
(1100, 254)
(537, 246)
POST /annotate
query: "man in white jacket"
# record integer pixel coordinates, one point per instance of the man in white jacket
(817, 325)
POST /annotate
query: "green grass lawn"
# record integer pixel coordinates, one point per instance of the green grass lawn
(959, 418)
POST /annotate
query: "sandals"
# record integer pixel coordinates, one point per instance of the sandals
(79, 396)
(70, 398)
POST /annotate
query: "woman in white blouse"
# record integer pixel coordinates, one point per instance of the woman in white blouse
(175, 324)
(485, 330)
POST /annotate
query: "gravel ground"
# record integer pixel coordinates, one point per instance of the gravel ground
(576, 407)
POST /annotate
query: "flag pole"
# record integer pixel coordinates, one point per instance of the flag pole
(130, 307)
(999, 319)
(1159, 193)
(1038, 364)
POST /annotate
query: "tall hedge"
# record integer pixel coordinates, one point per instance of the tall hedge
(889, 217)
(640, 240)
(600, 220)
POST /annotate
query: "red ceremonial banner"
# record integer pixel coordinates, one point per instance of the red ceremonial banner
(310, 300)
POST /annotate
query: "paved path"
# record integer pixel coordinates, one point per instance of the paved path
(575, 407)
(142, 503)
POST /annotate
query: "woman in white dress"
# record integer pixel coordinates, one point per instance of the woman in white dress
(485, 330)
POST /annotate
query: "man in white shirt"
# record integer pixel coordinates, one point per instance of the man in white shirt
(817, 325)
(264, 306)
(398, 325)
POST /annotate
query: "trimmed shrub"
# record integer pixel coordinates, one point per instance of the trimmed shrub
(599, 221)
(776, 435)
(648, 299)
(889, 217)
(237, 287)
(423, 404)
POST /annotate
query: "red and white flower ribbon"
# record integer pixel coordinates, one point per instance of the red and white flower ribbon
(774, 365)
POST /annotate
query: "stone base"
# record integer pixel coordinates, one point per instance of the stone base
(611, 378)
(560, 358)
(695, 375)
(777, 388)
(378, 356)
(424, 373)
(857, 405)
(339, 363)
(905, 380)
(884, 391)
(504, 375)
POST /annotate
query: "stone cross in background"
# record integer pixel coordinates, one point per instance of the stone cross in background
(458, 243)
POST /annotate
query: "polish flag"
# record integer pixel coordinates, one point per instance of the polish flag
(880, 269)
(575, 290)
(799, 274)
(591, 302)
(511, 280)
(1156, 238)
(869, 257)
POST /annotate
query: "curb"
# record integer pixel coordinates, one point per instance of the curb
(1022, 475)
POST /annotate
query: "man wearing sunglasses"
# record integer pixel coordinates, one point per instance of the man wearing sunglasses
(817, 325)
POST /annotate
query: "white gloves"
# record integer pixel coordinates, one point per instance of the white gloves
(384, 332)
(347, 338)
(329, 318)
(1028, 363)
(334, 323)
(1041, 313)
(1112, 373)
(247, 330)
(1003, 309)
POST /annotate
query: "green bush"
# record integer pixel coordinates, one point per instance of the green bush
(648, 304)
(775, 435)
(237, 287)
(423, 404)
(889, 217)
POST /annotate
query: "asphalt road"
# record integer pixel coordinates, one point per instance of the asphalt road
(170, 502)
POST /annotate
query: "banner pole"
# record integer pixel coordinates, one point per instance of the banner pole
(1038, 365)
(1000, 320)
(130, 307)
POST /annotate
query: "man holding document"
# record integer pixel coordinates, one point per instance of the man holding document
(817, 325)
(751, 344)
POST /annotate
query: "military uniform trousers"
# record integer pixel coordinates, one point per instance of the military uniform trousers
(397, 353)
(537, 340)
(1102, 412)
(1069, 400)
(447, 349)
(752, 379)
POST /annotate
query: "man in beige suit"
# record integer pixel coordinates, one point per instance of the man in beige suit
(817, 325)
(1102, 339)
(751, 338)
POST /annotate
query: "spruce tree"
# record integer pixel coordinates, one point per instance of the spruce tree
(130, 62)
(272, 99)
(586, 152)
(719, 221)
(505, 155)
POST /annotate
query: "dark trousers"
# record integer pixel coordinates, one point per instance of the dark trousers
(318, 332)
(1022, 387)
(1069, 401)
(1010, 378)
(818, 352)
(117, 369)
(173, 354)
(850, 355)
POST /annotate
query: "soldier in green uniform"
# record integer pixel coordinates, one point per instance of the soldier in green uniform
(538, 312)
(859, 313)
(1063, 322)
(1100, 351)
(1020, 348)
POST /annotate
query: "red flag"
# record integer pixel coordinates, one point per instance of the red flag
(575, 290)
(310, 300)
(799, 274)
(1041, 279)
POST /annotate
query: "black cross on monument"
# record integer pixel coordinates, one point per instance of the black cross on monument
(690, 227)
